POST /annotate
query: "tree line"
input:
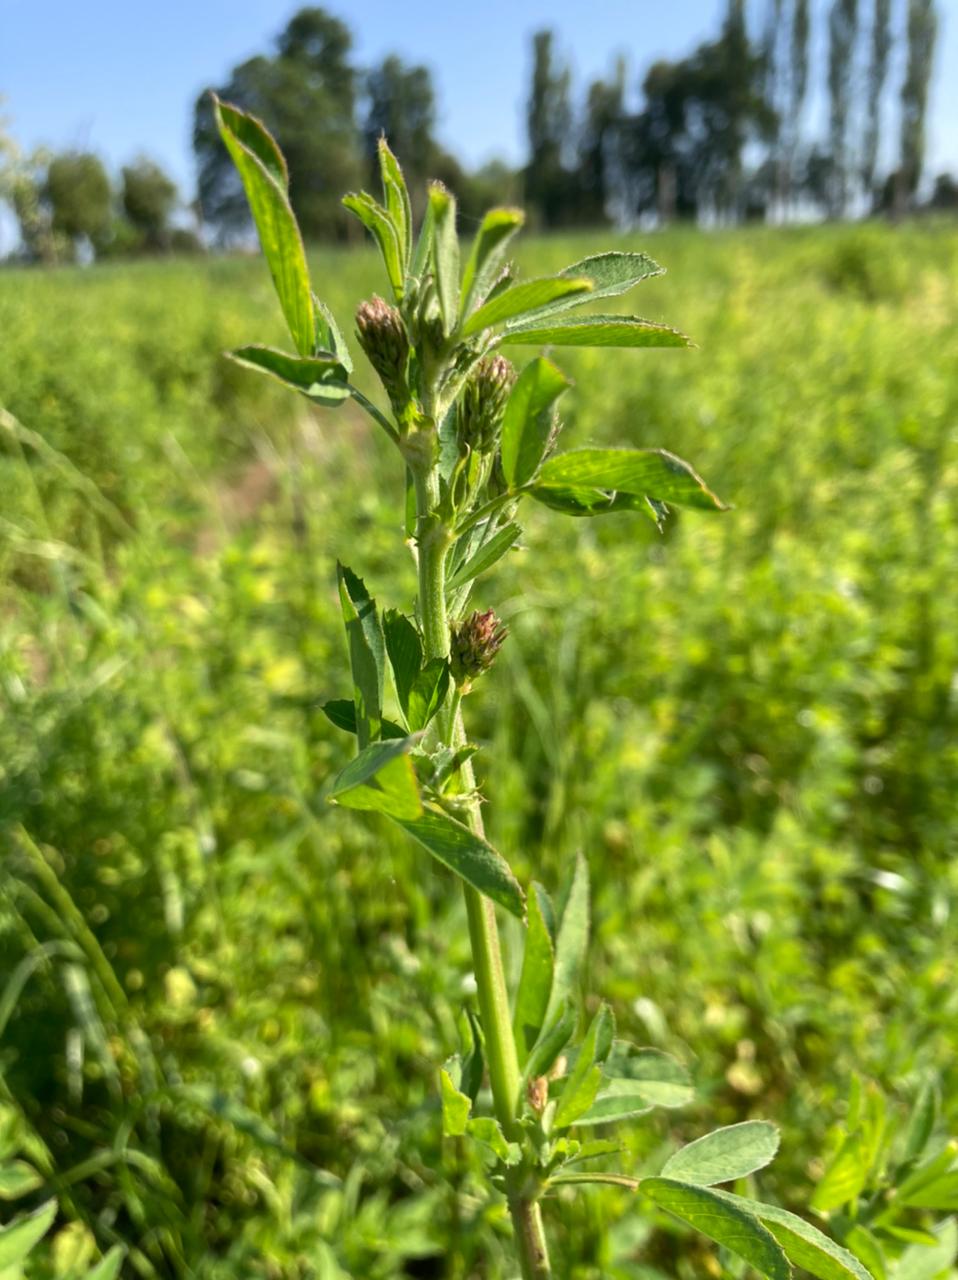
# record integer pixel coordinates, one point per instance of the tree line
(721, 135)
(724, 134)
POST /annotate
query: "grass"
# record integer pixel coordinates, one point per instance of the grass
(231, 1071)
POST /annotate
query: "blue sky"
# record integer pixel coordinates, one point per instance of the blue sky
(120, 78)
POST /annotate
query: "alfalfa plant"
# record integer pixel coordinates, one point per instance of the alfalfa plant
(476, 438)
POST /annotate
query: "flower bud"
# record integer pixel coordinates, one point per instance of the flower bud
(483, 404)
(382, 335)
(474, 643)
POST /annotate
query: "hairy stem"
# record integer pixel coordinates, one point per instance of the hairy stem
(434, 539)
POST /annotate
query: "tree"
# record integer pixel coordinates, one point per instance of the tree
(687, 144)
(842, 25)
(81, 201)
(149, 197)
(402, 106)
(877, 75)
(798, 89)
(548, 186)
(599, 160)
(306, 95)
(922, 33)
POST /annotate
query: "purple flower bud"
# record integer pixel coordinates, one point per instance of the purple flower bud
(483, 404)
(382, 335)
(474, 643)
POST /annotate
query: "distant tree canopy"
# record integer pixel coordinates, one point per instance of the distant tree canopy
(148, 197)
(305, 93)
(720, 133)
(80, 199)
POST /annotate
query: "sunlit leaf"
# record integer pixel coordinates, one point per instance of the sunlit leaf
(584, 1080)
(367, 653)
(805, 1245)
(322, 379)
(535, 981)
(263, 172)
(445, 253)
(20, 1236)
(521, 298)
(380, 779)
(469, 856)
(485, 557)
(636, 1080)
(643, 473)
(527, 422)
(717, 1216)
(595, 331)
(488, 253)
(726, 1154)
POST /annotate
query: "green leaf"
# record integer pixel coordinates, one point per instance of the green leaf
(928, 1172)
(488, 554)
(556, 1033)
(636, 1080)
(596, 502)
(926, 1262)
(535, 981)
(342, 713)
(942, 1194)
(845, 1177)
(422, 256)
(719, 1217)
(322, 379)
(527, 421)
(329, 338)
(864, 1245)
(18, 1237)
(585, 1078)
(380, 779)
(263, 172)
(611, 274)
(367, 653)
(469, 856)
(489, 1132)
(428, 693)
(921, 1122)
(595, 331)
(726, 1154)
(396, 195)
(520, 299)
(445, 253)
(643, 473)
(405, 653)
(381, 227)
(473, 1058)
(572, 939)
(455, 1107)
(488, 253)
(17, 1178)
(108, 1268)
(805, 1245)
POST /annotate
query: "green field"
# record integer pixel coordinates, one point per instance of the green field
(226, 1056)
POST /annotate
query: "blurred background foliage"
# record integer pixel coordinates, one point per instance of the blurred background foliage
(222, 1003)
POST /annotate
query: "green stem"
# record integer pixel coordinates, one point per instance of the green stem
(433, 540)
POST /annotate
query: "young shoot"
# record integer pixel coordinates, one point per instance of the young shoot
(477, 435)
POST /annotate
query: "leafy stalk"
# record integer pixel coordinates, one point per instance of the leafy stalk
(476, 437)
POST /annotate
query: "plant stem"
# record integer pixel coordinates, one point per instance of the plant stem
(433, 539)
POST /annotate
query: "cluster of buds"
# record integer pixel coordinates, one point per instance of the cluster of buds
(382, 335)
(474, 643)
(483, 404)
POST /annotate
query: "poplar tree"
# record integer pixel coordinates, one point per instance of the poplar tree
(922, 33)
